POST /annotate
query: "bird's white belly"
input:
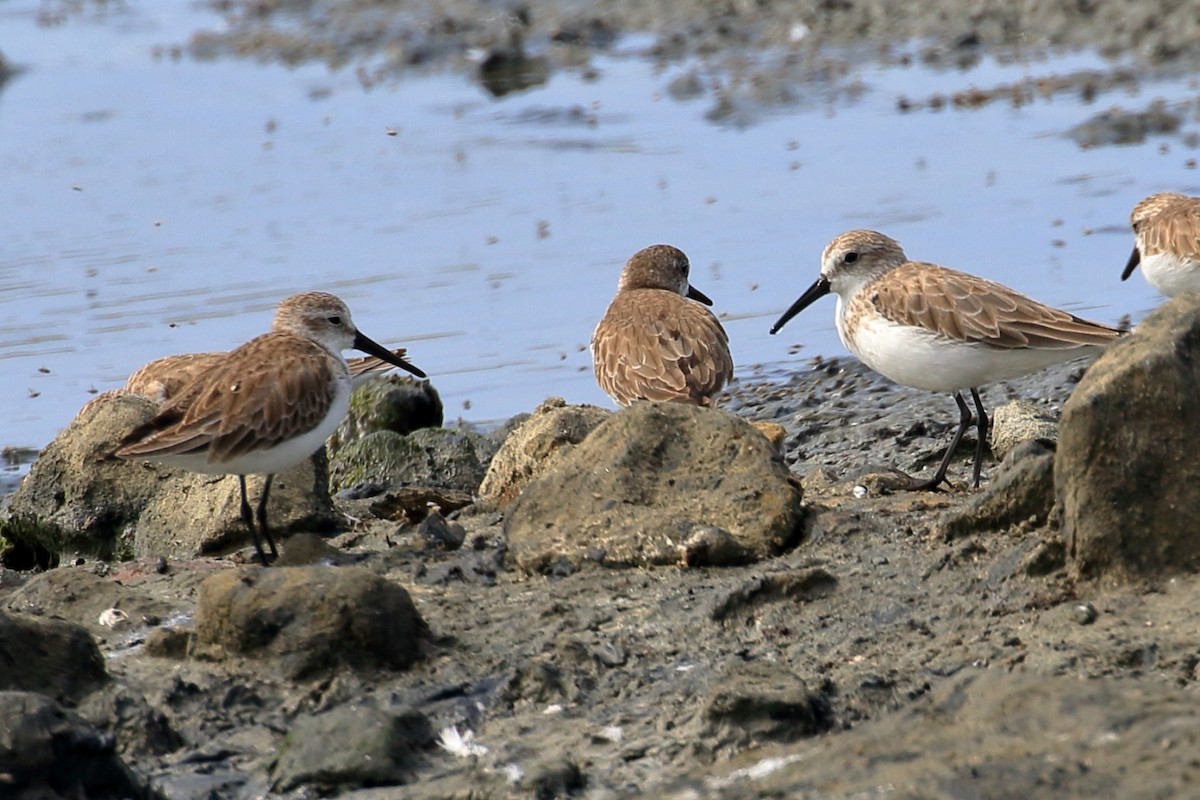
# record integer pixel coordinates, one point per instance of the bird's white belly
(915, 357)
(1171, 275)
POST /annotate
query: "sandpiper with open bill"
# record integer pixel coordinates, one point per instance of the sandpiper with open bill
(265, 406)
(654, 343)
(929, 327)
(1167, 229)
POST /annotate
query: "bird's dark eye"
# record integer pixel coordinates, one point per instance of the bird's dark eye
(335, 320)
(850, 257)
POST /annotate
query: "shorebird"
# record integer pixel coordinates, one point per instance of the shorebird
(1167, 228)
(163, 378)
(656, 344)
(929, 327)
(265, 406)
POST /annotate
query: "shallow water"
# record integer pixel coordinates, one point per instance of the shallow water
(156, 205)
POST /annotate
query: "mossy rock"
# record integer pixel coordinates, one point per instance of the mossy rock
(393, 403)
(442, 457)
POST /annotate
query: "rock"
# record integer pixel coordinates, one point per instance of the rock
(306, 549)
(536, 446)
(413, 503)
(553, 779)
(510, 69)
(710, 546)
(311, 619)
(47, 752)
(440, 533)
(1021, 492)
(49, 656)
(636, 490)
(193, 515)
(79, 595)
(374, 747)
(78, 499)
(170, 643)
(760, 701)
(1020, 421)
(139, 729)
(1128, 457)
(1084, 613)
(440, 457)
(392, 403)
(986, 733)
(774, 432)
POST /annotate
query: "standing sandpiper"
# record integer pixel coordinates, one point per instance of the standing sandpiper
(165, 377)
(1167, 227)
(265, 406)
(934, 328)
(653, 342)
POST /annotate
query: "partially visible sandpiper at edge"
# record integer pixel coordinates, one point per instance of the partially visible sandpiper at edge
(1167, 227)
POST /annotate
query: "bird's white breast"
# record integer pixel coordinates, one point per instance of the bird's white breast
(1170, 274)
(913, 356)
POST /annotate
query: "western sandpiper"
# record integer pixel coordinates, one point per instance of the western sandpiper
(930, 327)
(653, 342)
(265, 406)
(1167, 227)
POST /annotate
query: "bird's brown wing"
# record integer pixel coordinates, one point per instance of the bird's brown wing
(164, 378)
(268, 390)
(369, 365)
(660, 347)
(967, 308)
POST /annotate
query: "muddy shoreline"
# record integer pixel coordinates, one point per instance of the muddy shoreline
(888, 654)
(673, 682)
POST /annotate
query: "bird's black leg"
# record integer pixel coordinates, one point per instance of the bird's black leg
(248, 518)
(939, 477)
(981, 425)
(262, 516)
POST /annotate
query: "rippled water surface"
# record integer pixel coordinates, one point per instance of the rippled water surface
(155, 205)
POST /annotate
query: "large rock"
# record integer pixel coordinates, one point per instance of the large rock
(446, 458)
(49, 656)
(536, 446)
(659, 483)
(47, 752)
(310, 619)
(1128, 455)
(78, 499)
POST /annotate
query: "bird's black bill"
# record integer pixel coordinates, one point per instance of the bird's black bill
(368, 345)
(815, 292)
(698, 296)
(1134, 259)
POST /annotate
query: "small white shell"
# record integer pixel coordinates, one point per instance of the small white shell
(462, 745)
(109, 617)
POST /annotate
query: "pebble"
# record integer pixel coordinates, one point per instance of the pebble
(1084, 613)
